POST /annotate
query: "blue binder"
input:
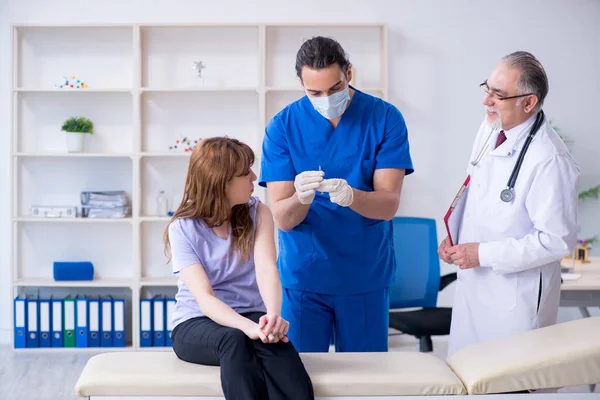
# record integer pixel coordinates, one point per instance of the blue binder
(45, 319)
(170, 305)
(158, 303)
(94, 315)
(33, 319)
(106, 327)
(119, 322)
(57, 322)
(81, 322)
(145, 322)
(20, 341)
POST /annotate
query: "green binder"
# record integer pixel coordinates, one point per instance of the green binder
(69, 322)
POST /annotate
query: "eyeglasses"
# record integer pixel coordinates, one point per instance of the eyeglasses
(484, 86)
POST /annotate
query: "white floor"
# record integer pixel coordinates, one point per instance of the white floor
(48, 375)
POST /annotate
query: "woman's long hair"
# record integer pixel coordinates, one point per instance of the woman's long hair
(213, 163)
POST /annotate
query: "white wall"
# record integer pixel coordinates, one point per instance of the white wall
(439, 52)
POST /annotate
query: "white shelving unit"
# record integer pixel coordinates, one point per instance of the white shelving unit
(142, 95)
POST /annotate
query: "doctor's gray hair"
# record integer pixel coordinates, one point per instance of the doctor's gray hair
(533, 77)
(321, 52)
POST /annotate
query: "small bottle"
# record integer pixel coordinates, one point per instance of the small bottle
(162, 207)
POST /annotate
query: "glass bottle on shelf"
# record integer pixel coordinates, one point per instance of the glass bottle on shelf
(162, 208)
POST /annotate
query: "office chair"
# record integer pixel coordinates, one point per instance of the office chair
(417, 282)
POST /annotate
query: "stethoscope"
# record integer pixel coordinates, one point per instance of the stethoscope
(508, 194)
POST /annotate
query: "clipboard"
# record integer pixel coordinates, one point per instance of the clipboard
(454, 215)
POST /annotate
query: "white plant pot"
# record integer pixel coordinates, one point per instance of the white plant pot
(75, 141)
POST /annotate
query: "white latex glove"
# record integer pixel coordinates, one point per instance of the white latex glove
(305, 184)
(339, 191)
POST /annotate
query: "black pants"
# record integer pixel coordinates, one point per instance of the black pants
(250, 369)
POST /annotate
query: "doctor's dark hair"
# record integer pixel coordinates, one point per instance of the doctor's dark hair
(533, 77)
(321, 52)
(213, 163)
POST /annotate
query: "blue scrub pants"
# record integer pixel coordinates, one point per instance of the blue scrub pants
(359, 323)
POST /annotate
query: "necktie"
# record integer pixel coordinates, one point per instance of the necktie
(501, 139)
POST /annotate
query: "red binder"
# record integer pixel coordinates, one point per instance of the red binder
(454, 215)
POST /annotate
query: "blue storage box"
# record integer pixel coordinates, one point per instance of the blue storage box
(73, 271)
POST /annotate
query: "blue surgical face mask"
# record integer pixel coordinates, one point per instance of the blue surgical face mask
(332, 107)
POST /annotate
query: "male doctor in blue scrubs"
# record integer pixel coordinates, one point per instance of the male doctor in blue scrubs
(334, 162)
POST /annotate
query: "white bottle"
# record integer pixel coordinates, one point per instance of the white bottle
(162, 207)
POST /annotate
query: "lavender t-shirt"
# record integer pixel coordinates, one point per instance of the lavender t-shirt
(233, 280)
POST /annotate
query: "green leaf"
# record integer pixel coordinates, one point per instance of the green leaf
(591, 193)
(591, 241)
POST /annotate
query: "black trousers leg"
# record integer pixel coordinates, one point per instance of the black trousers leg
(203, 341)
(284, 372)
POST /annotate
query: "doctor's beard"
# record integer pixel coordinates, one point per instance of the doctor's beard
(496, 123)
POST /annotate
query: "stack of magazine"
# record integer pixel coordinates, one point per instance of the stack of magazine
(105, 204)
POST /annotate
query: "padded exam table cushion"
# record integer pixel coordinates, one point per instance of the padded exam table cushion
(332, 374)
(566, 354)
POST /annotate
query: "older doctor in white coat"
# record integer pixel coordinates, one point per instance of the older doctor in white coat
(508, 253)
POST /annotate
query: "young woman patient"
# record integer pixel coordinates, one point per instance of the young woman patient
(222, 248)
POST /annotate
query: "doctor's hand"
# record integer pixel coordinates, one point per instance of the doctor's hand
(305, 184)
(464, 255)
(443, 251)
(274, 328)
(339, 191)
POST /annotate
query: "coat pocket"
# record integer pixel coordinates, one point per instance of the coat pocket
(497, 291)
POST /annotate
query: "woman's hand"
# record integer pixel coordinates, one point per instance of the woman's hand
(254, 332)
(274, 328)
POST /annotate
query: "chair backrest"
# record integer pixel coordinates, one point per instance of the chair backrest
(416, 281)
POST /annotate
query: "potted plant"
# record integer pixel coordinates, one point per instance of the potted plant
(75, 129)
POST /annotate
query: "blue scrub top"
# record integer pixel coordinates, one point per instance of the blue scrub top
(336, 250)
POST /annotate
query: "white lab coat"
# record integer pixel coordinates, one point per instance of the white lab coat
(521, 243)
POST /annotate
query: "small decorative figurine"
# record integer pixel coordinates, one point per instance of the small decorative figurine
(183, 145)
(71, 83)
(580, 254)
(199, 66)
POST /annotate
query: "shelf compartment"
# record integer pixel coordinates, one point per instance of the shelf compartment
(60, 182)
(154, 260)
(168, 117)
(42, 114)
(102, 57)
(107, 246)
(61, 292)
(363, 46)
(158, 174)
(229, 54)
